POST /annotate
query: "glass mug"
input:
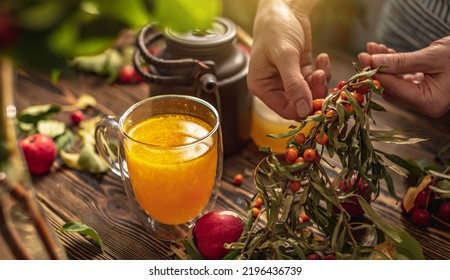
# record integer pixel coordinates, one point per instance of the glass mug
(168, 151)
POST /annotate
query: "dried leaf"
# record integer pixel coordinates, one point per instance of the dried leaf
(412, 192)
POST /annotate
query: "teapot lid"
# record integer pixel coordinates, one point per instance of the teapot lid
(222, 31)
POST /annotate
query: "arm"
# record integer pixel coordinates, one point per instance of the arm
(281, 71)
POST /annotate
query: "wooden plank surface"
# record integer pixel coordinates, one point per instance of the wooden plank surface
(100, 201)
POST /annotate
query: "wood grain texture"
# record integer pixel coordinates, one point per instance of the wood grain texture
(100, 201)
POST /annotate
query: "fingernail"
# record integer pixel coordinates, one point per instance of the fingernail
(379, 59)
(302, 107)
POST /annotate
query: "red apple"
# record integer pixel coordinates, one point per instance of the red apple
(213, 230)
(39, 151)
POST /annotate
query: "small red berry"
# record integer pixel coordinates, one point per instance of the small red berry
(258, 202)
(376, 83)
(299, 138)
(294, 186)
(421, 218)
(421, 200)
(304, 218)
(313, 256)
(300, 160)
(358, 97)
(291, 154)
(322, 139)
(237, 179)
(317, 104)
(77, 117)
(444, 211)
(341, 84)
(255, 212)
(309, 155)
(329, 257)
(129, 75)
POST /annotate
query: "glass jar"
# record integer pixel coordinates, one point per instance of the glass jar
(24, 231)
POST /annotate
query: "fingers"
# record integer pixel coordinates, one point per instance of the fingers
(375, 48)
(321, 76)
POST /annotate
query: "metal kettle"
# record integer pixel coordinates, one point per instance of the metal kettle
(207, 64)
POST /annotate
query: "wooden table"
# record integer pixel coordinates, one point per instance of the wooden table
(100, 201)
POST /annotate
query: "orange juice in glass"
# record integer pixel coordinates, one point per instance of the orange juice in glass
(170, 160)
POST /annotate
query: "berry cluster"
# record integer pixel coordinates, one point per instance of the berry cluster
(425, 202)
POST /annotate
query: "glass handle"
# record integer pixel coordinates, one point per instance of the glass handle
(106, 141)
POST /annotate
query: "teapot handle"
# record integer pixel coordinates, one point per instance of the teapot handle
(202, 70)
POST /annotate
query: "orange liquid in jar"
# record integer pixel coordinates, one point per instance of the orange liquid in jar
(172, 184)
(265, 121)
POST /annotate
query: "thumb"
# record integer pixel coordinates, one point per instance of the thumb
(401, 63)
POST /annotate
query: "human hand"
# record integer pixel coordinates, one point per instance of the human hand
(418, 80)
(281, 71)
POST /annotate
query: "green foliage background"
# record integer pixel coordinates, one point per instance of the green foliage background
(48, 32)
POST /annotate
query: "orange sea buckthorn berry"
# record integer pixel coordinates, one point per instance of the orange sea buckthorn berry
(358, 97)
(331, 114)
(376, 83)
(237, 179)
(364, 88)
(259, 202)
(341, 84)
(317, 104)
(294, 186)
(304, 218)
(300, 160)
(348, 107)
(255, 212)
(318, 112)
(299, 138)
(322, 139)
(309, 155)
(291, 154)
(343, 95)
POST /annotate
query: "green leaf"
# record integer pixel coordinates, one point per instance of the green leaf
(51, 128)
(388, 230)
(65, 141)
(408, 245)
(398, 140)
(36, 113)
(404, 243)
(84, 230)
(91, 161)
(185, 15)
(416, 171)
(377, 107)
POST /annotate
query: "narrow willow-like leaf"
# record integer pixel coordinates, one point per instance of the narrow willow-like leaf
(373, 216)
(377, 107)
(397, 140)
